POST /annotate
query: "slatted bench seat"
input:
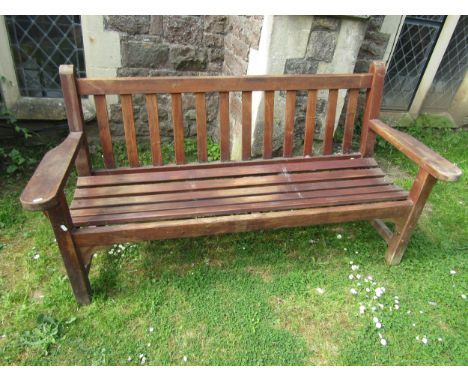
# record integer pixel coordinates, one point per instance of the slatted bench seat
(121, 204)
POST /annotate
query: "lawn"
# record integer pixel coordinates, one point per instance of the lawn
(262, 298)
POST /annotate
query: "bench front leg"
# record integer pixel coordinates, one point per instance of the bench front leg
(62, 225)
(419, 194)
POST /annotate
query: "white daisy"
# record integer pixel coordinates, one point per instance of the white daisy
(353, 291)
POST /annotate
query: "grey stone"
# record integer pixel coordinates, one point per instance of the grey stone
(128, 24)
(144, 53)
(186, 30)
(213, 40)
(156, 25)
(188, 58)
(216, 55)
(132, 72)
(321, 45)
(374, 45)
(306, 65)
(51, 109)
(215, 24)
(325, 23)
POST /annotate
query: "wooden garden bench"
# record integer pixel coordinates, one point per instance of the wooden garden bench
(124, 204)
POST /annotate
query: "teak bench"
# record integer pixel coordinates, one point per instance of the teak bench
(123, 204)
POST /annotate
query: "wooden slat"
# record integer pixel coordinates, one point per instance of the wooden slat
(289, 123)
(219, 164)
(372, 109)
(138, 85)
(153, 123)
(290, 194)
(248, 222)
(268, 124)
(236, 209)
(246, 125)
(310, 122)
(75, 118)
(176, 186)
(330, 122)
(178, 125)
(224, 126)
(129, 129)
(217, 172)
(350, 118)
(225, 192)
(382, 229)
(200, 105)
(104, 130)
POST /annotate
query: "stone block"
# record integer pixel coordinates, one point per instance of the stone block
(128, 24)
(306, 65)
(215, 24)
(156, 25)
(327, 23)
(187, 30)
(188, 58)
(321, 45)
(144, 53)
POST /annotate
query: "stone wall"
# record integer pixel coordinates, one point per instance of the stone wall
(168, 46)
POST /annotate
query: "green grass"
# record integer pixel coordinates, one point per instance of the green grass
(244, 299)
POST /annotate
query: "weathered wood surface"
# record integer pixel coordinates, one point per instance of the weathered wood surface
(439, 167)
(50, 176)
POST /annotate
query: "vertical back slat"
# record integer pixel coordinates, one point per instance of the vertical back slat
(350, 117)
(75, 116)
(373, 101)
(289, 123)
(104, 130)
(330, 122)
(153, 124)
(224, 125)
(129, 129)
(178, 124)
(268, 124)
(310, 122)
(200, 105)
(246, 125)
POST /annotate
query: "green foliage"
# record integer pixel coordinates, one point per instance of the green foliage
(46, 333)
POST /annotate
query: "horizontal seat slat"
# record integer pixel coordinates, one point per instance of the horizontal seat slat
(236, 209)
(222, 193)
(176, 186)
(290, 194)
(161, 176)
(145, 85)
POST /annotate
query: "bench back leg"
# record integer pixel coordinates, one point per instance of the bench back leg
(419, 193)
(62, 224)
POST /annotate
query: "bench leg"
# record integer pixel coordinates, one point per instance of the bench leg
(62, 224)
(419, 193)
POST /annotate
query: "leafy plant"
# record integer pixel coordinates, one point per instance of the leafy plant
(45, 334)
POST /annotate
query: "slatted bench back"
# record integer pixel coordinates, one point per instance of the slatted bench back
(176, 87)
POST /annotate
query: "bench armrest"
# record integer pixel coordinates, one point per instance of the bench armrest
(50, 176)
(439, 167)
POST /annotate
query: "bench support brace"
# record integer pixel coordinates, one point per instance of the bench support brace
(404, 228)
(61, 221)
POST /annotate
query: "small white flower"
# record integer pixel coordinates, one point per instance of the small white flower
(141, 356)
(379, 291)
(375, 319)
(417, 338)
(378, 325)
(355, 267)
(424, 340)
(413, 324)
(143, 361)
(396, 298)
(439, 339)
(320, 290)
(350, 263)
(339, 236)
(36, 256)
(367, 290)
(432, 303)
(421, 312)
(356, 252)
(149, 344)
(362, 309)
(397, 307)
(353, 291)
(358, 276)
(453, 272)
(358, 284)
(383, 341)
(151, 329)
(350, 277)
(463, 296)
(373, 308)
(185, 358)
(345, 249)
(369, 278)
(408, 312)
(129, 359)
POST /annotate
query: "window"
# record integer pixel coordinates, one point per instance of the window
(39, 44)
